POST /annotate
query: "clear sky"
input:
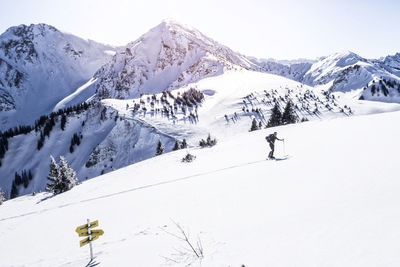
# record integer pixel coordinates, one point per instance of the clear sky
(282, 29)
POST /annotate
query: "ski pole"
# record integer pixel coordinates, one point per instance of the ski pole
(284, 150)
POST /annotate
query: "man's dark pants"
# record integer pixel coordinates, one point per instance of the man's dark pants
(272, 146)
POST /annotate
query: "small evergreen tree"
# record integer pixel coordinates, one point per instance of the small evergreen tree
(373, 89)
(63, 121)
(53, 177)
(40, 141)
(184, 144)
(289, 115)
(74, 141)
(304, 119)
(208, 143)
(176, 146)
(188, 158)
(254, 125)
(276, 117)
(2, 196)
(17, 179)
(25, 178)
(211, 142)
(67, 174)
(160, 148)
(62, 177)
(14, 190)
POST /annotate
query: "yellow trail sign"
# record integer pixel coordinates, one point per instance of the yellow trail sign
(85, 227)
(84, 241)
(97, 232)
(94, 234)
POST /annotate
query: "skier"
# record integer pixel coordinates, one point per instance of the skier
(271, 140)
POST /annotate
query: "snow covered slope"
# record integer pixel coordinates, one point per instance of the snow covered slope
(334, 202)
(106, 142)
(39, 66)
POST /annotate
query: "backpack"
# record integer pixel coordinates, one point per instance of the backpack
(268, 138)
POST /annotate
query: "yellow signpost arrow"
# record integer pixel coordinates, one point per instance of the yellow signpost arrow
(92, 232)
(85, 227)
(97, 232)
(85, 230)
(84, 241)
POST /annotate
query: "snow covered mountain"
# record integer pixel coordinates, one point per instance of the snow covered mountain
(291, 69)
(347, 72)
(167, 57)
(39, 66)
(392, 64)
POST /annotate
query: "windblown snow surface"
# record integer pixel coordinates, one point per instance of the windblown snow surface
(333, 202)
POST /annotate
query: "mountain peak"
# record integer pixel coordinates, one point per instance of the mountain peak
(30, 31)
(171, 22)
(171, 29)
(342, 59)
(167, 56)
(344, 54)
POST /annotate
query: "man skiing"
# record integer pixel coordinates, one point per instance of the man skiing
(271, 140)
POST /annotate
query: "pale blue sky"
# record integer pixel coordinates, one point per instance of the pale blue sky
(283, 29)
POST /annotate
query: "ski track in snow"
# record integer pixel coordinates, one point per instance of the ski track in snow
(133, 189)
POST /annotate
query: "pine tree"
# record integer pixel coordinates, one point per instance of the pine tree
(188, 158)
(14, 190)
(62, 176)
(67, 174)
(40, 141)
(2, 196)
(373, 89)
(63, 121)
(184, 144)
(254, 125)
(160, 148)
(276, 117)
(211, 142)
(176, 146)
(289, 114)
(25, 179)
(53, 177)
(17, 179)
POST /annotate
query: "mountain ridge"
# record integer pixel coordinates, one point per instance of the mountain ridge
(42, 65)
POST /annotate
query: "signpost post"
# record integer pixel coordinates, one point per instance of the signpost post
(92, 234)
